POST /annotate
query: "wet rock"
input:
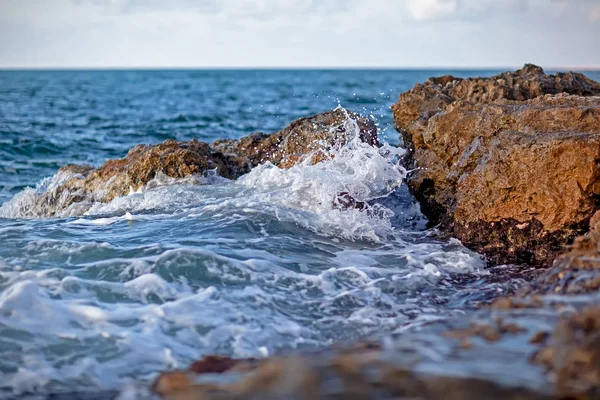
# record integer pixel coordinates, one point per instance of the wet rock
(507, 164)
(312, 139)
(143, 162)
(219, 364)
(570, 351)
(491, 332)
(350, 374)
(572, 355)
(575, 272)
(345, 201)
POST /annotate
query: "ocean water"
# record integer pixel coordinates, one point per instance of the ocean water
(249, 268)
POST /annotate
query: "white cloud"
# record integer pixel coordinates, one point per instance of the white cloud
(428, 9)
(207, 33)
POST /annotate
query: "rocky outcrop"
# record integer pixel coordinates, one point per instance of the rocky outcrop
(305, 137)
(509, 164)
(75, 188)
(142, 164)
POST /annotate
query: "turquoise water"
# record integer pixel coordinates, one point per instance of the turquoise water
(250, 268)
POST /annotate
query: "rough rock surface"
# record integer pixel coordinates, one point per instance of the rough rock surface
(311, 136)
(575, 272)
(77, 187)
(509, 164)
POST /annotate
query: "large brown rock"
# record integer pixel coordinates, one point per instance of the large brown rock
(507, 164)
(76, 188)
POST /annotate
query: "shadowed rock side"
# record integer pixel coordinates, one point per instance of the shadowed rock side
(507, 164)
(575, 272)
(75, 188)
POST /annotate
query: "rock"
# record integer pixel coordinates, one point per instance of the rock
(575, 272)
(219, 364)
(76, 188)
(306, 137)
(143, 162)
(351, 373)
(572, 355)
(507, 164)
(571, 351)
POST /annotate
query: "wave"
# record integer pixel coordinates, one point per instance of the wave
(76, 328)
(315, 196)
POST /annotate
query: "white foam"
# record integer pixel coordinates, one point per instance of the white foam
(104, 221)
(115, 307)
(304, 194)
(247, 305)
(27, 204)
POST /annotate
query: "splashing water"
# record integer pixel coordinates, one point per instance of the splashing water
(110, 294)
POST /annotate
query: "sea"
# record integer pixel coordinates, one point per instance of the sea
(261, 266)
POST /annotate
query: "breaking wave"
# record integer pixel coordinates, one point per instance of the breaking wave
(281, 259)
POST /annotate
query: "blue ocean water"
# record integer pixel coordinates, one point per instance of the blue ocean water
(250, 268)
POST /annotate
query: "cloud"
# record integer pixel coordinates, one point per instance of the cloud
(257, 9)
(212, 33)
(422, 10)
(136, 6)
(591, 8)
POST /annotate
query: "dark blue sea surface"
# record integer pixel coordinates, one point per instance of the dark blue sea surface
(246, 268)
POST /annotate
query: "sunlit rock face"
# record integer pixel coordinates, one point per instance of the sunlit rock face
(312, 139)
(507, 164)
(306, 137)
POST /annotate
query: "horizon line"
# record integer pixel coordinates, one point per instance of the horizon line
(592, 68)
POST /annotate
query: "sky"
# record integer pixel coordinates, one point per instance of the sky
(298, 33)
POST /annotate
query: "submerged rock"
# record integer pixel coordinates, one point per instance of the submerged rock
(542, 343)
(507, 164)
(76, 188)
(349, 373)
